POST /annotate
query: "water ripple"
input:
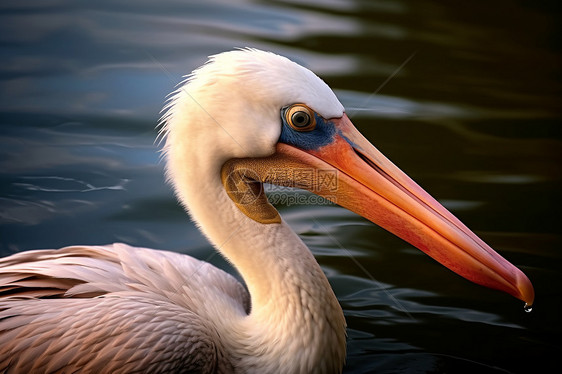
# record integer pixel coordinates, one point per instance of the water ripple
(62, 184)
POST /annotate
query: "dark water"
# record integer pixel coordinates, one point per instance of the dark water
(463, 97)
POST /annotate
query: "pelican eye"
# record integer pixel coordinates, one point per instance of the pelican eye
(300, 117)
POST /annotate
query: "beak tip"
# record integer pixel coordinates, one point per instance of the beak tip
(525, 289)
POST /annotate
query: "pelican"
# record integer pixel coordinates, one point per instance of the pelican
(245, 118)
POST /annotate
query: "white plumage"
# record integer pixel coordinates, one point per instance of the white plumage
(114, 309)
(118, 305)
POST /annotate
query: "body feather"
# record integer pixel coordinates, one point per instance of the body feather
(112, 309)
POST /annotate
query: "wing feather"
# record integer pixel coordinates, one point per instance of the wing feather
(113, 309)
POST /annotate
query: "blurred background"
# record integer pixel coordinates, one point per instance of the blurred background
(464, 97)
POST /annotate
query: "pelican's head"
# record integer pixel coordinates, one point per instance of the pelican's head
(256, 117)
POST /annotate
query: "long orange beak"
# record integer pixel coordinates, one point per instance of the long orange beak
(368, 184)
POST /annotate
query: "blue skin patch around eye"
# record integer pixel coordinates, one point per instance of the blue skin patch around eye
(323, 134)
